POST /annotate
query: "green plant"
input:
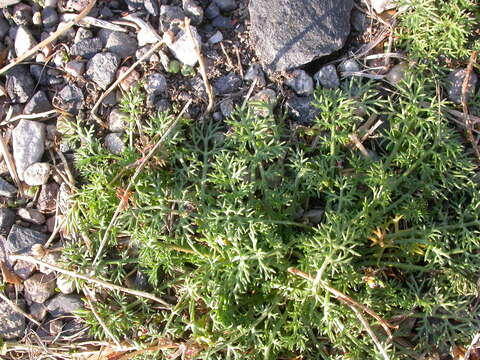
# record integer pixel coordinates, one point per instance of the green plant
(219, 215)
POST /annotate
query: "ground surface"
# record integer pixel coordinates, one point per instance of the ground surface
(204, 206)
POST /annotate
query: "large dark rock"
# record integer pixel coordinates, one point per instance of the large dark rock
(291, 33)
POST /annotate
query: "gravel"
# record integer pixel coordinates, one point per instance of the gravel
(227, 84)
(101, 69)
(38, 103)
(13, 323)
(226, 107)
(327, 77)
(455, 83)
(300, 82)
(7, 189)
(71, 99)
(268, 97)
(37, 174)
(212, 11)
(28, 144)
(86, 48)
(348, 66)
(20, 85)
(39, 287)
(216, 38)
(255, 72)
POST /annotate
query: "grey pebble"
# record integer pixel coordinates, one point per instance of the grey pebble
(222, 22)
(32, 216)
(255, 72)
(327, 77)
(193, 11)
(348, 66)
(71, 98)
(20, 85)
(7, 189)
(49, 17)
(86, 48)
(212, 11)
(226, 5)
(301, 109)
(183, 48)
(227, 84)
(156, 84)
(455, 83)
(64, 305)
(397, 73)
(300, 82)
(38, 103)
(121, 44)
(117, 120)
(28, 144)
(226, 107)
(7, 219)
(39, 287)
(37, 174)
(21, 239)
(101, 69)
(13, 323)
(114, 143)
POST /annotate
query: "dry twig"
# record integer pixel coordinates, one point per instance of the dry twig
(50, 39)
(93, 280)
(203, 67)
(121, 78)
(465, 88)
(18, 309)
(135, 175)
(345, 299)
(11, 165)
(105, 328)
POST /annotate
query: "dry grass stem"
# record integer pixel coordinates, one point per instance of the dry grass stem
(121, 78)
(89, 279)
(50, 39)
(135, 175)
(11, 165)
(18, 309)
(91, 21)
(105, 328)
(465, 88)
(39, 116)
(345, 299)
(203, 68)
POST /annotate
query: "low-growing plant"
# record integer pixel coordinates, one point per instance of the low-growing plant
(228, 213)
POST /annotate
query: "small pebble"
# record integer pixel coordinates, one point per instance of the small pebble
(216, 38)
(117, 120)
(222, 22)
(397, 73)
(348, 66)
(31, 215)
(226, 5)
(327, 77)
(37, 174)
(226, 107)
(454, 85)
(114, 143)
(300, 82)
(24, 40)
(156, 84)
(193, 11)
(75, 68)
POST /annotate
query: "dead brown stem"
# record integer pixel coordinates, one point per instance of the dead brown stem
(203, 67)
(93, 280)
(50, 39)
(345, 299)
(468, 121)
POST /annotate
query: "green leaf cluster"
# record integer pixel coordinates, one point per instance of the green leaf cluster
(224, 209)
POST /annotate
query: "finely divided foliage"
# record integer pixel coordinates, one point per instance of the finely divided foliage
(219, 215)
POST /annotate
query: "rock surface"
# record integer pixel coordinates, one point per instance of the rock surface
(7, 189)
(7, 219)
(101, 69)
(12, 323)
(20, 240)
(39, 287)
(64, 305)
(291, 33)
(455, 83)
(28, 144)
(37, 174)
